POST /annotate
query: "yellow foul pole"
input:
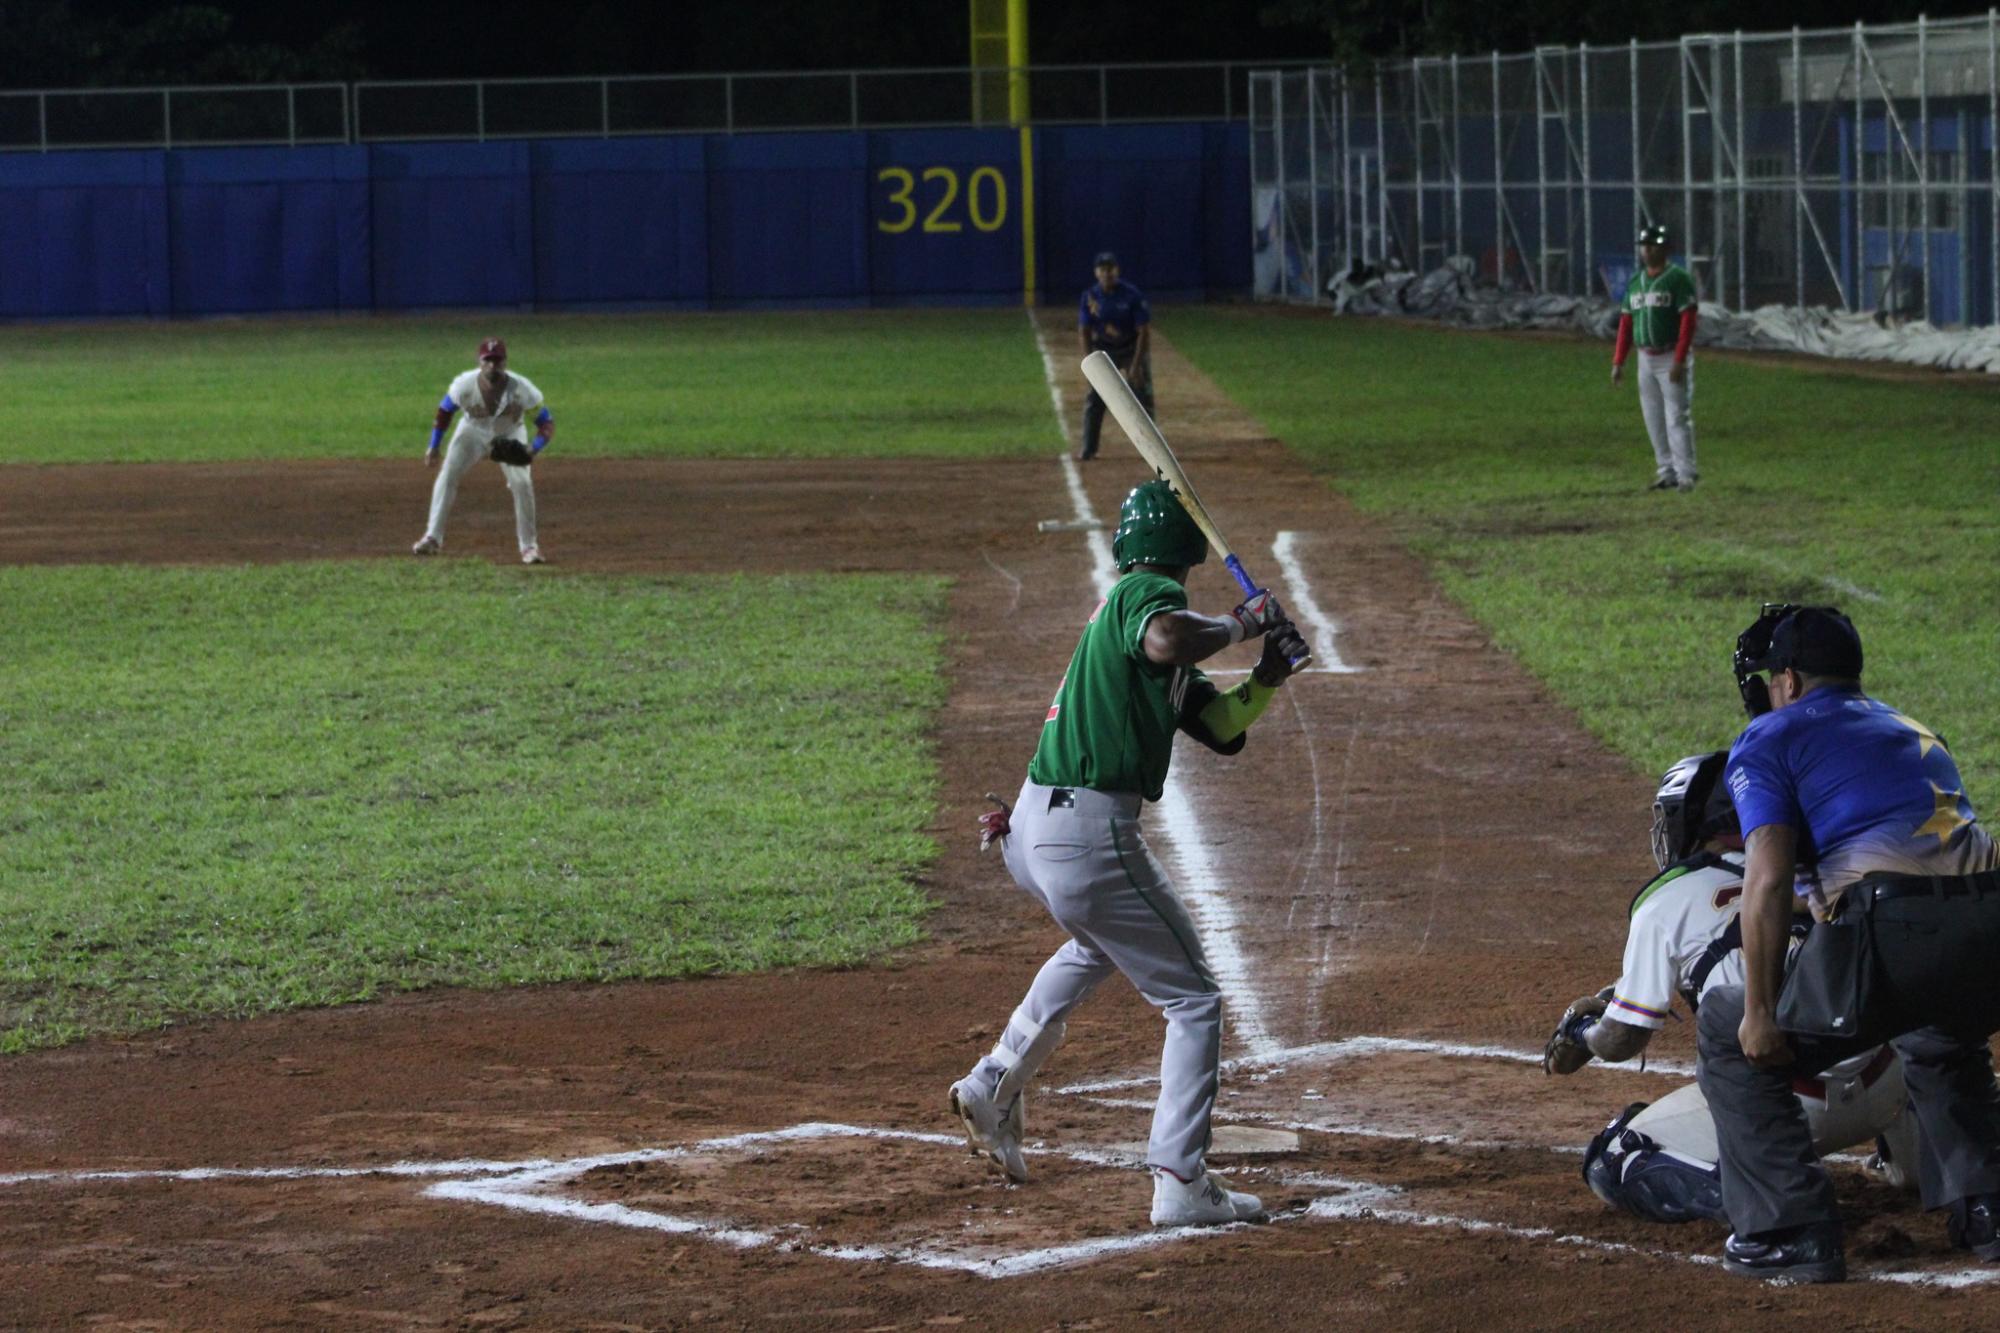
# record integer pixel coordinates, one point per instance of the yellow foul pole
(1017, 111)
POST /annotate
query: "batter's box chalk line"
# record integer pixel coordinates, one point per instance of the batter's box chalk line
(533, 1186)
(537, 1189)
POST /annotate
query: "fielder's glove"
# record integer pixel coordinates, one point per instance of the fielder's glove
(1258, 614)
(1568, 1050)
(1283, 646)
(512, 451)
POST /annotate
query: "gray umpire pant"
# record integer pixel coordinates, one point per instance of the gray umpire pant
(1080, 853)
(1139, 376)
(1936, 996)
(1669, 412)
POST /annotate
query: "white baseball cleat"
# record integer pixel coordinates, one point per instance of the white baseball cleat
(533, 556)
(990, 1131)
(1202, 1202)
(427, 545)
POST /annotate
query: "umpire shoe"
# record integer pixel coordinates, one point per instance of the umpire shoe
(989, 1130)
(1791, 1257)
(1202, 1202)
(1975, 1225)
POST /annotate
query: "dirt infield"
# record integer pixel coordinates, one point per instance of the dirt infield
(1419, 860)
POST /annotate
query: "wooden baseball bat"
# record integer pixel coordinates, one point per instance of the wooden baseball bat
(1140, 428)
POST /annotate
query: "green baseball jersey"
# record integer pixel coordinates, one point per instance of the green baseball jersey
(1111, 727)
(1655, 305)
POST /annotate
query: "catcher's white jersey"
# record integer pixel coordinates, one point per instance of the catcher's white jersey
(507, 420)
(1684, 939)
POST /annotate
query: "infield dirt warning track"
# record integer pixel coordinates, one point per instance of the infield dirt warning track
(1420, 859)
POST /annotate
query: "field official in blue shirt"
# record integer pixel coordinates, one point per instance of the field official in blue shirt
(1861, 812)
(1113, 318)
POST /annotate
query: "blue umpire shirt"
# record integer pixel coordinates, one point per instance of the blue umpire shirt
(1112, 318)
(1868, 789)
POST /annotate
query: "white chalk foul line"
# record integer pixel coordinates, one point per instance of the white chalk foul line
(1187, 847)
(1305, 608)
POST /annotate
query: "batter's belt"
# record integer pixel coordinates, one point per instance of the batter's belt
(1085, 802)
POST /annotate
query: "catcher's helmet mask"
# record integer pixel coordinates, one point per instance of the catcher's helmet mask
(1817, 640)
(1154, 529)
(1691, 806)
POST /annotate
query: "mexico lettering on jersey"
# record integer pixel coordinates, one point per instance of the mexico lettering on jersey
(1655, 305)
(1111, 726)
(1684, 938)
(1867, 788)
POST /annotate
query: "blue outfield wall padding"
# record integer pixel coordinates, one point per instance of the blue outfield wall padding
(621, 221)
(86, 235)
(907, 217)
(451, 225)
(786, 218)
(1134, 189)
(268, 229)
(944, 215)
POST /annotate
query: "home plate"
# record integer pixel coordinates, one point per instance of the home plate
(1236, 1141)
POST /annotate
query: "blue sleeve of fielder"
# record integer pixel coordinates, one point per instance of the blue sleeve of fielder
(445, 409)
(544, 424)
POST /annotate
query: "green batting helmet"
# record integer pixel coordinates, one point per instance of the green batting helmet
(1153, 529)
(1653, 233)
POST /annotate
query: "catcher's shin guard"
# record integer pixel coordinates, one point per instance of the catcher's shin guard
(1630, 1172)
(1024, 1064)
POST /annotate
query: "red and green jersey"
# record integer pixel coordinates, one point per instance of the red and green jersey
(1111, 727)
(1655, 305)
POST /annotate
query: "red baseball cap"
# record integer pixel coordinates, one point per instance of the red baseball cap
(493, 347)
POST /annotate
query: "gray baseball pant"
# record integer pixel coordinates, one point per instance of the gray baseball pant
(1669, 412)
(1080, 853)
(1939, 1003)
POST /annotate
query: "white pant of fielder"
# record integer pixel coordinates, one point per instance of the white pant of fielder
(466, 448)
(1669, 411)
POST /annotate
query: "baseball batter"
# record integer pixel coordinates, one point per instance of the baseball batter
(1659, 1161)
(1073, 841)
(496, 403)
(1659, 317)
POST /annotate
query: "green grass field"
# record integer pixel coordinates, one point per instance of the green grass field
(234, 790)
(1511, 464)
(883, 384)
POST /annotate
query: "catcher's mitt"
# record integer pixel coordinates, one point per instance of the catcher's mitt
(512, 451)
(1567, 1051)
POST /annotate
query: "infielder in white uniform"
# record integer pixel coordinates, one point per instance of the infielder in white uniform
(1659, 316)
(1660, 1160)
(496, 404)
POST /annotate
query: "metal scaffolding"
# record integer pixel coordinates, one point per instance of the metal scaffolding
(1852, 168)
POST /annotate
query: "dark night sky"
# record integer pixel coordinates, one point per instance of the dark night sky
(68, 42)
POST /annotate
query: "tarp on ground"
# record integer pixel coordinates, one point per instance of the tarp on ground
(1450, 295)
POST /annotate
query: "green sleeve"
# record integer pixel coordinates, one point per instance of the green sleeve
(1136, 600)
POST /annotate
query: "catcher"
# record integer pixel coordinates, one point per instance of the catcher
(1659, 1160)
(496, 404)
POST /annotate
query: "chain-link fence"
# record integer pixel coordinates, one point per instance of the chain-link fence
(1851, 168)
(605, 107)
